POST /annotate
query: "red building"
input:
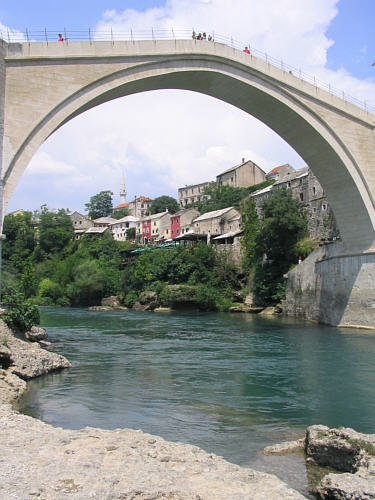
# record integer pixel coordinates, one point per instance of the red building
(146, 231)
(175, 226)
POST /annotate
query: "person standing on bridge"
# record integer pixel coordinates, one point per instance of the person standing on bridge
(61, 39)
(246, 50)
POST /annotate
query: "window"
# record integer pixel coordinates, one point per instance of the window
(324, 206)
(301, 196)
(80, 222)
(231, 179)
(314, 210)
(314, 190)
(288, 184)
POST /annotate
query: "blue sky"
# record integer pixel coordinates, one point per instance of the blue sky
(197, 136)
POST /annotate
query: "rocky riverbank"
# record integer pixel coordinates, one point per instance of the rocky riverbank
(40, 461)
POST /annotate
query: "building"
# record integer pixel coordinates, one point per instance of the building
(80, 223)
(280, 172)
(182, 221)
(217, 222)
(307, 189)
(103, 221)
(120, 228)
(192, 194)
(154, 228)
(139, 207)
(244, 175)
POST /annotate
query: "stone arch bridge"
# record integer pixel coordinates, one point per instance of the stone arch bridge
(44, 85)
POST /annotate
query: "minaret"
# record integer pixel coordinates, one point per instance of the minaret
(123, 191)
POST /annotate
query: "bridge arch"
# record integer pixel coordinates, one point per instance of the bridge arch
(334, 138)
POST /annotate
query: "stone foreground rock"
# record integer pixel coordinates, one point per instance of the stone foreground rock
(347, 451)
(38, 461)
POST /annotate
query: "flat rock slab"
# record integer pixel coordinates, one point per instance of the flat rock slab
(43, 462)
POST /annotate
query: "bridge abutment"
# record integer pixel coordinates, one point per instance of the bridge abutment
(334, 288)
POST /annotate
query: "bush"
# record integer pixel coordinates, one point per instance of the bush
(21, 314)
(63, 302)
(50, 289)
(131, 299)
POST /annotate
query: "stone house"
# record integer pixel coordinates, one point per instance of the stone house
(192, 193)
(80, 223)
(120, 228)
(307, 189)
(279, 172)
(244, 175)
(103, 221)
(216, 222)
(139, 207)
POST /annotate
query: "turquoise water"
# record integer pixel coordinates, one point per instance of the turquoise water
(228, 383)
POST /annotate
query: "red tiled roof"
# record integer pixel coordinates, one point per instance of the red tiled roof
(276, 169)
(143, 198)
(122, 205)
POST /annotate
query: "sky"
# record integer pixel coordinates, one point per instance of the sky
(163, 140)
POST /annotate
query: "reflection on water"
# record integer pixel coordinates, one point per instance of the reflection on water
(230, 384)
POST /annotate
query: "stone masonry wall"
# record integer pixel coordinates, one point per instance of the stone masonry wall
(333, 288)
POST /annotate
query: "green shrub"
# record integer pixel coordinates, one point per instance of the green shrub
(50, 289)
(21, 314)
(63, 302)
(131, 299)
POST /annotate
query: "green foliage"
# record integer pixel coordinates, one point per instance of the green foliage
(88, 285)
(21, 314)
(28, 282)
(131, 299)
(250, 225)
(162, 203)
(305, 246)
(51, 289)
(120, 213)
(20, 238)
(130, 233)
(283, 224)
(55, 230)
(100, 205)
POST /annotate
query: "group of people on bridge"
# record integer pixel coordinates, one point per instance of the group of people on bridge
(202, 36)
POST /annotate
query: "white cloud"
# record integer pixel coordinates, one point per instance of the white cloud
(166, 139)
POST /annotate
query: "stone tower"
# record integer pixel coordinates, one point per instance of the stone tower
(123, 191)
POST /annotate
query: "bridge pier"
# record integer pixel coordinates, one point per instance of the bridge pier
(334, 288)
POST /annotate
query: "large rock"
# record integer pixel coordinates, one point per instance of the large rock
(29, 360)
(147, 301)
(36, 334)
(42, 462)
(113, 301)
(347, 487)
(344, 450)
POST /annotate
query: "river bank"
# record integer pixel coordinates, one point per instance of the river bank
(40, 461)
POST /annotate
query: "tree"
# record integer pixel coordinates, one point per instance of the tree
(100, 205)
(130, 233)
(55, 229)
(250, 225)
(20, 238)
(283, 224)
(120, 213)
(162, 203)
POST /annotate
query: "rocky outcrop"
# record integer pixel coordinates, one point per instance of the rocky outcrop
(28, 359)
(347, 451)
(5, 357)
(284, 448)
(147, 301)
(123, 463)
(112, 301)
(36, 334)
(271, 311)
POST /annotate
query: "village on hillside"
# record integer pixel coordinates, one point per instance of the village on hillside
(222, 227)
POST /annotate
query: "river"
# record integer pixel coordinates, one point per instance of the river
(230, 384)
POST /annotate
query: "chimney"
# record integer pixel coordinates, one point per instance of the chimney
(243, 161)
